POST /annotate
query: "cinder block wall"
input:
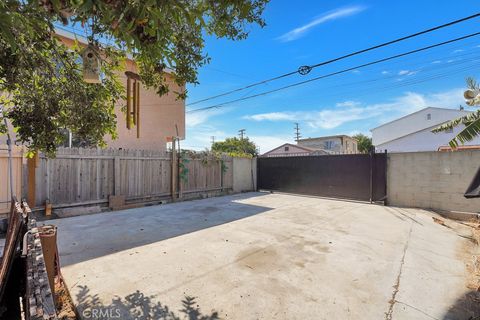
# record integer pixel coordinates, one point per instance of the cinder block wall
(435, 180)
(244, 174)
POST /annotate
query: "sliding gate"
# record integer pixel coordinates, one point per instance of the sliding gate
(352, 176)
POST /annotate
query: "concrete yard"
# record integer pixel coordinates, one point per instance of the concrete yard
(265, 256)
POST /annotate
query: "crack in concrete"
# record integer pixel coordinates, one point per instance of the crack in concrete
(396, 286)
(417, 309)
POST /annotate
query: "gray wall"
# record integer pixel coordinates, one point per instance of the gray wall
(435, 180)
(244, 174)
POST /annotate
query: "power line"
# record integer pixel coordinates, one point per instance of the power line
(303, 70)
(350, 86)
(337, 72)
(375, 89)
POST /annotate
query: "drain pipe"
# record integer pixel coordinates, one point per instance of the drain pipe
(25, 246)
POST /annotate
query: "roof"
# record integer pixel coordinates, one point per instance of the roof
(418, 111)
(293, 145)
(327, 137)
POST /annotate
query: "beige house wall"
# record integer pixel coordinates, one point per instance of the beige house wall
(340, 144)
(158, 117)
(435, 180)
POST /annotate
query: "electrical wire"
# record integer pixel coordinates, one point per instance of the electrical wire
(307, 69)
(396, 76)
(373, 90)
(337, 72)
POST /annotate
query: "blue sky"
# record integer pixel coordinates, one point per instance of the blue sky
(309, 32)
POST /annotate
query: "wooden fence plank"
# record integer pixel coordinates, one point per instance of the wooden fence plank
(90, 175)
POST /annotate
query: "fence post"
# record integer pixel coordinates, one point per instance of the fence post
(32, 164)
(372, 154)
(174, 174)
(221, 171)
(385, 201)
(116, 179)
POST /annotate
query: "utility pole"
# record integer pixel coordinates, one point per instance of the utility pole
(213, 139)
(297, 132)
(241, 133)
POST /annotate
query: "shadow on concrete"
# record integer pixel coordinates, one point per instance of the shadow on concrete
(137, 306)
(466, 307)
(87, 237)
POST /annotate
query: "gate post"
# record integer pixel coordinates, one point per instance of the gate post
(385, 201)
(372, 154)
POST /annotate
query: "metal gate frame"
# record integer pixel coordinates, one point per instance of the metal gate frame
(346, 176)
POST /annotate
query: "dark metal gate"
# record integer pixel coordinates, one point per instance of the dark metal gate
(352, 176)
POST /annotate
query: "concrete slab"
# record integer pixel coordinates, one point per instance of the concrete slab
(263, 256)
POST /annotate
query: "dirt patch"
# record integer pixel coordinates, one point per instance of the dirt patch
(63, 302)
(469, 305)
(473, 260)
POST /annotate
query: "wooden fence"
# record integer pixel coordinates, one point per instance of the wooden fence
(5, 196)
(90, 176)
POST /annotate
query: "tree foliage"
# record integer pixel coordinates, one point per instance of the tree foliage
(471, 121)
(236, 147)
(364, 143)
(44, 92)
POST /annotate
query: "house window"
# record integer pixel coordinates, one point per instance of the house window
(328, 145)
(429, 116)
(287, 148)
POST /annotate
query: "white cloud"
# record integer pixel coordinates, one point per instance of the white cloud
(385, 72)
(348, 103)
(458, 51)
(272, 116)
(200, 137)
(436, 61)
(267, 143)
(407, 72)
(194, 119)
(349, 111)
(328, 16)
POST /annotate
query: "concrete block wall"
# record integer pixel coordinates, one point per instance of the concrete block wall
(244, 174)
(433, 180)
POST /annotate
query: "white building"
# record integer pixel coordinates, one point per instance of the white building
(413, 132)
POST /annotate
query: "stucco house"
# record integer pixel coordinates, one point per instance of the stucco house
(413, 132)
(334, 144)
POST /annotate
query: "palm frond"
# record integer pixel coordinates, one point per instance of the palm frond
(465, 120)
(472, 83)
(470, 132)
